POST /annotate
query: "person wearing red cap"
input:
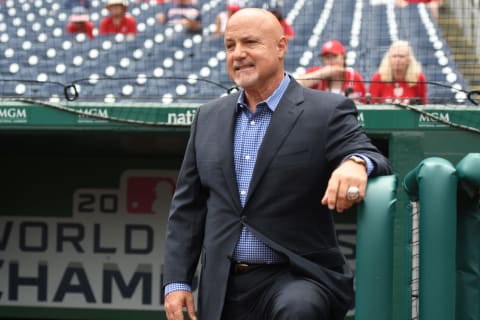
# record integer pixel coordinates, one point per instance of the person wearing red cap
(222, 18)
(79, 22)
(399, 78)
(334, 76)
(118, 21)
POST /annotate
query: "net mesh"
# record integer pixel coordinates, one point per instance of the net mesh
(415, 255)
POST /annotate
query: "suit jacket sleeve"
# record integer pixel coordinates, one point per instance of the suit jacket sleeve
(186, 220)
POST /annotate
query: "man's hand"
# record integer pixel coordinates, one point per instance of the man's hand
(175, 302)
(348, 174)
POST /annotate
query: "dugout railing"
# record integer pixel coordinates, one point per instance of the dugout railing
(468, 238)
(444, 242)
(374, 263)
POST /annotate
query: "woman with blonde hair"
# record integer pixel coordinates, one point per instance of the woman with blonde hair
(399, 79)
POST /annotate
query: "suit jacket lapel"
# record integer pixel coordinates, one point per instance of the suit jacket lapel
(227, 115)
(282, 122)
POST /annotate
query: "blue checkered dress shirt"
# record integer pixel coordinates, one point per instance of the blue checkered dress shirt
(250, 129)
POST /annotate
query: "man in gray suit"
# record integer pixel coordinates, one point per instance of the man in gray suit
(263, 170)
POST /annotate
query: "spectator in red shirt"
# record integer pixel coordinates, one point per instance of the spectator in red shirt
(434, 5)
(399, 78)
(334, 76)
(79, 22)
(118, 21)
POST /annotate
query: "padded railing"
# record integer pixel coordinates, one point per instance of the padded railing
(374, 260)
(434, 184)
(468, 238)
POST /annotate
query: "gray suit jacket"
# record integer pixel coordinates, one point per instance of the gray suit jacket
(309, 134)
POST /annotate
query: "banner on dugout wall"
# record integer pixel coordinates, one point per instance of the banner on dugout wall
(105, 253)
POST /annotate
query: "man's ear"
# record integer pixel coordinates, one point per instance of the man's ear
(282, 46)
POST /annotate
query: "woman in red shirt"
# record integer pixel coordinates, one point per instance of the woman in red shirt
(333, 75)
(399, 78)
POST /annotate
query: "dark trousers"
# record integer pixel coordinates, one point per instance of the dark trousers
(276, 293)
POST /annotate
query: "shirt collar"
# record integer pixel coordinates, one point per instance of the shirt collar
(272, 101)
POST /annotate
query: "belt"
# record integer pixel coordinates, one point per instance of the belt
(239, 268)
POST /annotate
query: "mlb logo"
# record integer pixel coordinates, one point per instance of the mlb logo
(149, 195)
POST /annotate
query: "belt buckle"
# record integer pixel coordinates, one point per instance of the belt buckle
(240, 268)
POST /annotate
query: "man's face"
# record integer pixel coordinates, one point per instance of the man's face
(330, 59)
(254, 53)
(116, 10)
(399, 59)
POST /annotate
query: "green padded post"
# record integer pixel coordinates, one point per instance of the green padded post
(374, 260)
(434, 183)
(468, 238)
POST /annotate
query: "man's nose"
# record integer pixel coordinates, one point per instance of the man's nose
(238, 52)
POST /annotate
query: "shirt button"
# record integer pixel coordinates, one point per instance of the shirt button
(252, 122)
(247, 157)
(243, 192)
